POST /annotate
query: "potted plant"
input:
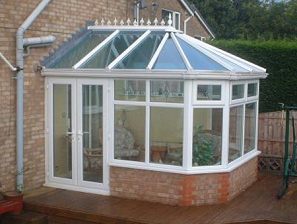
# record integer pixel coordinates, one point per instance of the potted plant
(203, 147)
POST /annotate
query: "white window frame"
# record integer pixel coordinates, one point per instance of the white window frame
(175, 24)
(242, 102)
(224, 87)
(148, 105)
(257, 94)
(188, 106)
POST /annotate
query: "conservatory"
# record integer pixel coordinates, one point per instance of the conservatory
(148, 112)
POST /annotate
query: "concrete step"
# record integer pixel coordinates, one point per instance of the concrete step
(24, 218)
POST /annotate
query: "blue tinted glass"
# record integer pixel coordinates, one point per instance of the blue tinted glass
(169, 57)
(197, 59)
(112, 50)
(142, 54)
(76, 49)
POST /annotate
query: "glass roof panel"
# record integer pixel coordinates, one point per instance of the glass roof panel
(169, 57)
(198, 60)
(76, 50)
(112, 50)
(142, 54)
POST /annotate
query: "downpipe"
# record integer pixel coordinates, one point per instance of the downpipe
(20, 92)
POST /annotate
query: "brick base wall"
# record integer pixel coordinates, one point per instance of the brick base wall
(179, 189)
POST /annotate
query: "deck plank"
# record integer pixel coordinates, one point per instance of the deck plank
(255, 204)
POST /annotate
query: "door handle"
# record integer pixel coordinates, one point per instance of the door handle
(71, 134)
(83, 133)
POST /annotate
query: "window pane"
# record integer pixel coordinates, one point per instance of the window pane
(129, 133)
(141, 56)
(165, 15)
(92, 140)
(129, 90)
(166, 136)
(167, 91)
(209, 92)
(252, 89)
(177, 21)
(69, 55)
(112, 50)
(198, 60)
(237, 91)
(250, 127)
(207, 136)
(62, 137)
(235, 132)
(169, 57)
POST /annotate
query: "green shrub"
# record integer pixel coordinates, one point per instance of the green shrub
(280, 60)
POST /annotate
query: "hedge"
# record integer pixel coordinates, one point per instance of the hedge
(280, 60)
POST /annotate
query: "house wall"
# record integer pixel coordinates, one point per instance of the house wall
(194, 26)
(178, 189)
(61, 18)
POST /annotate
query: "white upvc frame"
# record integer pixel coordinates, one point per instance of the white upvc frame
(181, 52)
(189, 105)
(257, 82)
(96, 49)
(243, 102)
(240, 100)
(224, 89)
(129, 49)
(79, 118)
(157, 53)
(50, 129)
(75, 183)
(148, 105)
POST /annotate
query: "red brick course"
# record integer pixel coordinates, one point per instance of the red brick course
(179, 189)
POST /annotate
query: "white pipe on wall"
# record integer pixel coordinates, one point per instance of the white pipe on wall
(185, 24)
(20, 91)
(39, 41)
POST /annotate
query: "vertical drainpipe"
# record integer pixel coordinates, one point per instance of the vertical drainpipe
(185, 24)
(20, 91)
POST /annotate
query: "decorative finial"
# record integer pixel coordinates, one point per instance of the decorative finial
(148, 22)
(156, 21)
(122, 23)
(162, 22)
(115, 21)
(141, 21)
(169, 20)
(96, 23)
(102, 22)
(108, 23)
(135, 23)
(128, 22)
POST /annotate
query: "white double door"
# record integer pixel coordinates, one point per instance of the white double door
(77, 124)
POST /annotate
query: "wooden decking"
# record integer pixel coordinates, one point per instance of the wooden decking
(257, 205)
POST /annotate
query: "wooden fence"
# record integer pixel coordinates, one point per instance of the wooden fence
(271, 139)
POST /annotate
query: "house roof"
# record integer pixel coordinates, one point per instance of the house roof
(193, 11)
(146, 48)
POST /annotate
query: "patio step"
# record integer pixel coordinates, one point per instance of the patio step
(24, 218)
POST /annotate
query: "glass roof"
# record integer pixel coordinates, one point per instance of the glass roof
(75, 50)
(144, 48)
(142, 54)
(169, 57)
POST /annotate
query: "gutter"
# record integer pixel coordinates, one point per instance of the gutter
(20, 91)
